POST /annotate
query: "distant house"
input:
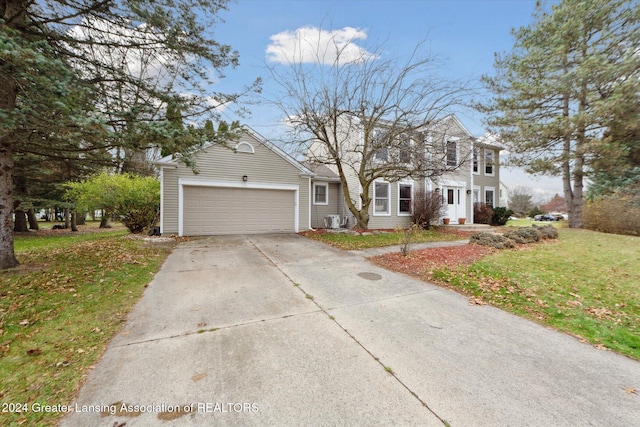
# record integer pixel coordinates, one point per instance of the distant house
(556, 205)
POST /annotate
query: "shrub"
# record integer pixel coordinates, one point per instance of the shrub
(547, 231)
(427, 209)
(493, 240)
(524, 235)
(482, 213)
(133, 199)
(500, 215)
(613, 214)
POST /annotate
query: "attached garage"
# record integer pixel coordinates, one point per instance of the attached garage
(235, 210)
(251, 187)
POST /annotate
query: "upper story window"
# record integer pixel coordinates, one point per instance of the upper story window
(404, 155)
(476, 160)
(378, 143)
(452, 153)
(488, 162)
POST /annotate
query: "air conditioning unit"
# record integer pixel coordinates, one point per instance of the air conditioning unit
(332, 221)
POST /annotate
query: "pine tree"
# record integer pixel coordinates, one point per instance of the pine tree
(95, 77)
(556, 92)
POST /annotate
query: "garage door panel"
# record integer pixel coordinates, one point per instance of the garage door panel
(221, 210)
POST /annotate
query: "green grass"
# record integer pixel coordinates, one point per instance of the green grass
(60, 308)
(586, 284)
(357, 242)
(529, 223)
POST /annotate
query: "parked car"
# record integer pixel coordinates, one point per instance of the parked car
(548, 217)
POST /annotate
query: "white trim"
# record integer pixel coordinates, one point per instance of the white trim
(326, 193)
(410, 184)
(388, 213)
(493, 162)
(190, 182)
(484, 193)
(244, 147)
(473, 150)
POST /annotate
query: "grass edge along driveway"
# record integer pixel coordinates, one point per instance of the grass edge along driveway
(585, 284)
(58, 311)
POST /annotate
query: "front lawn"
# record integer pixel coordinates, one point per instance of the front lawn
(585, 284)
(358, 241)
(60, 308)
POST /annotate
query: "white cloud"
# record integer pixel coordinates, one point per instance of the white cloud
(316, 45)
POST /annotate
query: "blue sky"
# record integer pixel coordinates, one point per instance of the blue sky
(465, 33)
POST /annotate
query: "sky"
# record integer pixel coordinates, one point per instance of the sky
(464, 33)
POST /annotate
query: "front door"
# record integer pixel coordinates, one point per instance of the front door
(454, 198)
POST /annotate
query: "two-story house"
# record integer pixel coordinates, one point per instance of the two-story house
(460, 168)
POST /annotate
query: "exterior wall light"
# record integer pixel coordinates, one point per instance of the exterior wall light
(245, 178)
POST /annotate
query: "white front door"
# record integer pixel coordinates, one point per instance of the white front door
(455, 197)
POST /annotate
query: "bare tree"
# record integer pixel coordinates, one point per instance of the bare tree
(367, 117)
(520, 200)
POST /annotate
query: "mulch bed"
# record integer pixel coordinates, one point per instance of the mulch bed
(422, 263)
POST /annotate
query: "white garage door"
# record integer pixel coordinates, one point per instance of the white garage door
(220, 210)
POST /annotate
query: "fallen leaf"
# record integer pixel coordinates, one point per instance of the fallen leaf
(198, 377)
(631, 390)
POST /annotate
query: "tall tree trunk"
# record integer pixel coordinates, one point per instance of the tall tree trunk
(81, 218)
(7, 255)
(20, 223)
(67, 218)
(33, 220)
(104, 221)
(13, 15)
(74, 226)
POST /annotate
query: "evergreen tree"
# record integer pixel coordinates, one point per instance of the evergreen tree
(96, 77)
(570, 75)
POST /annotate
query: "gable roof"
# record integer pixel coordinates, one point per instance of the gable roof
(170, 160)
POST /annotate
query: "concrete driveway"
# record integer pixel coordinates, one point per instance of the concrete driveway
(281, 330)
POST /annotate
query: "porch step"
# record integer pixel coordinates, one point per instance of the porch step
(470, 227)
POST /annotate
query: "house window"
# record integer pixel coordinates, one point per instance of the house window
(452, 154)
(381, 198)
(475, 160)
(404, 156)
(488, 162)
(450, 196)
(405, 199)
(320, 194)
(476, 195)
(489, 197)
(379, 144)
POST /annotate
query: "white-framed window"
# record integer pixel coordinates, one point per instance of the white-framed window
(320, 194)
(490, 196)
(404, 154)
(379, 144)
(245, 147)
(452, 153)
(488, 162)
(476, 160)
(381, 196)
(405, 198)
(476, 195)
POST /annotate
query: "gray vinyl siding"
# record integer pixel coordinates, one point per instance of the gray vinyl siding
(318, 212)
(390, 221)
(224, 164)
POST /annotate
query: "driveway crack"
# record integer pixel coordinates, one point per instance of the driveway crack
(353, 338)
